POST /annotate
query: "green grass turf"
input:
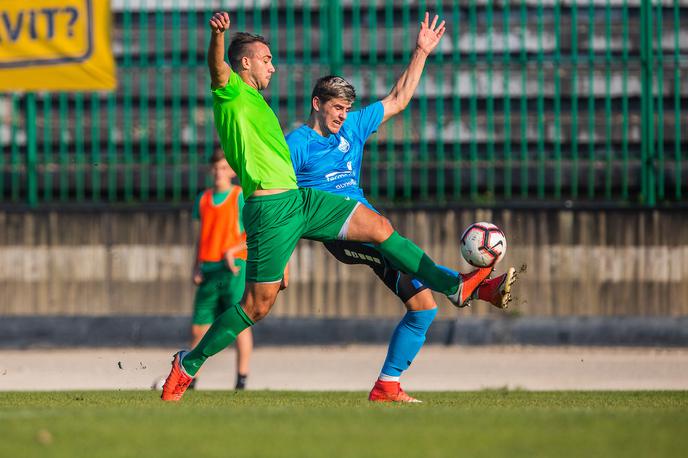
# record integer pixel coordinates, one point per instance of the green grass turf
(324, 424)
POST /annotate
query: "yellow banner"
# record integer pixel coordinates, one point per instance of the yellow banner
(56, 45)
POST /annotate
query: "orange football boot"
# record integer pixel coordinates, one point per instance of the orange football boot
(178, 380)
(469, 283)
(497, 291)
(389, 392)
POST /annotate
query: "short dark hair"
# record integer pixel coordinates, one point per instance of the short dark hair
(239, 47)
(333, 87)
(217, 156)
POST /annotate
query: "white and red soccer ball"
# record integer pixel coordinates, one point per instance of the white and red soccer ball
(483, 244)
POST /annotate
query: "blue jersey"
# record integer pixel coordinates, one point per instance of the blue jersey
(333, 163)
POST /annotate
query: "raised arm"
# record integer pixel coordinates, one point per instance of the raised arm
(428, 37)
(219, 69)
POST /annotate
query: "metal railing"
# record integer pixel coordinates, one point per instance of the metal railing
(529, 100)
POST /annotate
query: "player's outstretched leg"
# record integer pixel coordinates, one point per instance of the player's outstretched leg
(368, 226)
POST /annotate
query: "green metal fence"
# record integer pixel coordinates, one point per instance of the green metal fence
(522, 101)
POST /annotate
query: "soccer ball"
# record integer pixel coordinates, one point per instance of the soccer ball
(483, 244)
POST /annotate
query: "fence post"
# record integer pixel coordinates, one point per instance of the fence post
(647, 113)
(32, 150)
(334, 32)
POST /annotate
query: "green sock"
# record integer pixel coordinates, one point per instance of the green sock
(221, 334)
(408, 257)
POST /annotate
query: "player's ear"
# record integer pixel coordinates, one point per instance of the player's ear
(245, 63)
(315, 103)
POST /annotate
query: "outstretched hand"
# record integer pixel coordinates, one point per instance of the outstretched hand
(219, 23)
(429, 34)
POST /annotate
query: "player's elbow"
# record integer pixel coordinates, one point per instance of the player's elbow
(402, 102)
(397, 105)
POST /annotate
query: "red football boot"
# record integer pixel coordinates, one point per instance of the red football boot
(469, 283)
(497, 291)
(178, 380)
(389, 392)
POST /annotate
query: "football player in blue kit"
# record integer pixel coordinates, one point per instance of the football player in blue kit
(326, 153)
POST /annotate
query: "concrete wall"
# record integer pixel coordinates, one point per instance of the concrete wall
(601, 263)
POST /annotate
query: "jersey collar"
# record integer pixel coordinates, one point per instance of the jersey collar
(330, 140)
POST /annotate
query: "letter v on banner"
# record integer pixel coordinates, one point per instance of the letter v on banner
(56, 45)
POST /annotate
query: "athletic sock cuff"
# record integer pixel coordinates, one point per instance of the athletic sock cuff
(243, 315)
(388, 378)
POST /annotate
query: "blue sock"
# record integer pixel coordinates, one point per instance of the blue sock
(406, 341)
(448, 270)
(444, 268)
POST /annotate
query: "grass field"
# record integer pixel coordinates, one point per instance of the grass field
(322, 424)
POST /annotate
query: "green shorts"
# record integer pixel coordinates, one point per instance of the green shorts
(220, 290)
(275, 223)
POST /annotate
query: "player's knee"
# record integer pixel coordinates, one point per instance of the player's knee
(258, 304)
(382, 230)
(260, 311)
(421, 301)
(256, 310)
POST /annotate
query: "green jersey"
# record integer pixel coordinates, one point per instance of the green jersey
(252, 138)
